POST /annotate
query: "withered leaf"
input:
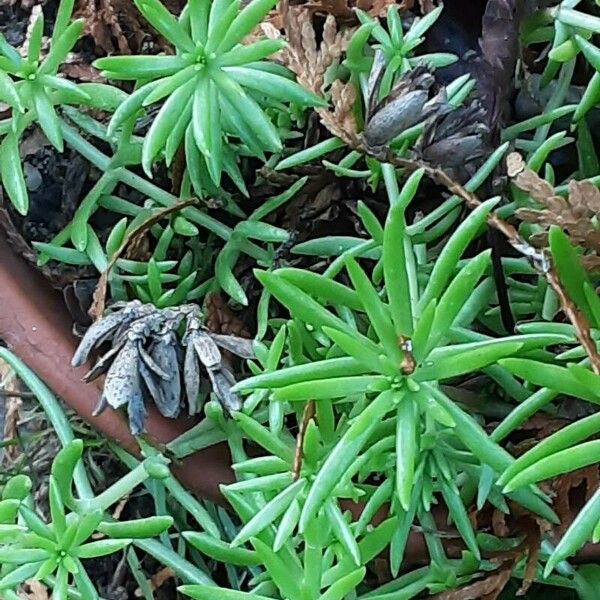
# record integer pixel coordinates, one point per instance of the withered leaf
(567, 504)
(207, 350)
(164, 354)
(137, 412)
(102, 364)
(239, 346)
(456, 140)
(153, 365)
(122, 380)
(222, 381)
(532, 544)
(147, 360)
(310, 61)
(484, 589)
(113, 25)
(107, 328)
(406, 105)
(98, 305)
(191, 378)
(574, 214)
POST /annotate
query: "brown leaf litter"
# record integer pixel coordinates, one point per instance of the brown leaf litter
(574, 214)
(310, 60)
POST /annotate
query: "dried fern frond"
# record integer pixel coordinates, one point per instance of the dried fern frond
(310, 60)
(576, 215)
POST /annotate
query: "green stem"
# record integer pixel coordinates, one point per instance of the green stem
(433, 542)
(557, 99)
(200, 436)
(72, 593)
(160, 196)
(118, 490)
(169, 558)
(53, 411)
(178, 492)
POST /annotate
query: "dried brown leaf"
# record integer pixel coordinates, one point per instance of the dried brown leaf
(573, 214)
(532, 544)
(343, 10)
(539, 189)
(566, 504)
(79, 70)
(134, 238)
(11, 424)
(310, 60)
(340, 9)
(157, 580)
(484, 589)
(115, 26)
(585, 196)
(307, 415)
(219, 318)
(514, 164)
(102, 25)
(33, 590)
(499, 526)
(11, 407)
(118, 510)
(591, 262)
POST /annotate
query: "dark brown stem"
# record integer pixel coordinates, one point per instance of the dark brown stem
(307, 415)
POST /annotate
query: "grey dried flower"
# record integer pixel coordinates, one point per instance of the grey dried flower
(411, 101)
(147, 360)
(457, 140)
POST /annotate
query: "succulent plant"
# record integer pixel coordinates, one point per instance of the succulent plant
(211, 87)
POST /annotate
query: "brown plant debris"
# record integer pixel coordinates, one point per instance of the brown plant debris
(11, 408)
(135, 237)
(571, 491)
(157, 580)
(343, 10)
(310, 61)
(33, 590)
(488, 588)
(221, 319)
(573, 214)
(307, 415)
(114, 25)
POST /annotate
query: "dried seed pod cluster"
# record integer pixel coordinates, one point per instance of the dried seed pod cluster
(455, 139)
(149, 359)
(414, 98)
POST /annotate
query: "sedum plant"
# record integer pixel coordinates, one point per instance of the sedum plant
(52, 552)
(31, 88)
(213, 86)
(367, 364)
(370, 356)
(37, 95)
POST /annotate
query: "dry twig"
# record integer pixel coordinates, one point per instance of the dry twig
(97, 309)
(307, 415)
